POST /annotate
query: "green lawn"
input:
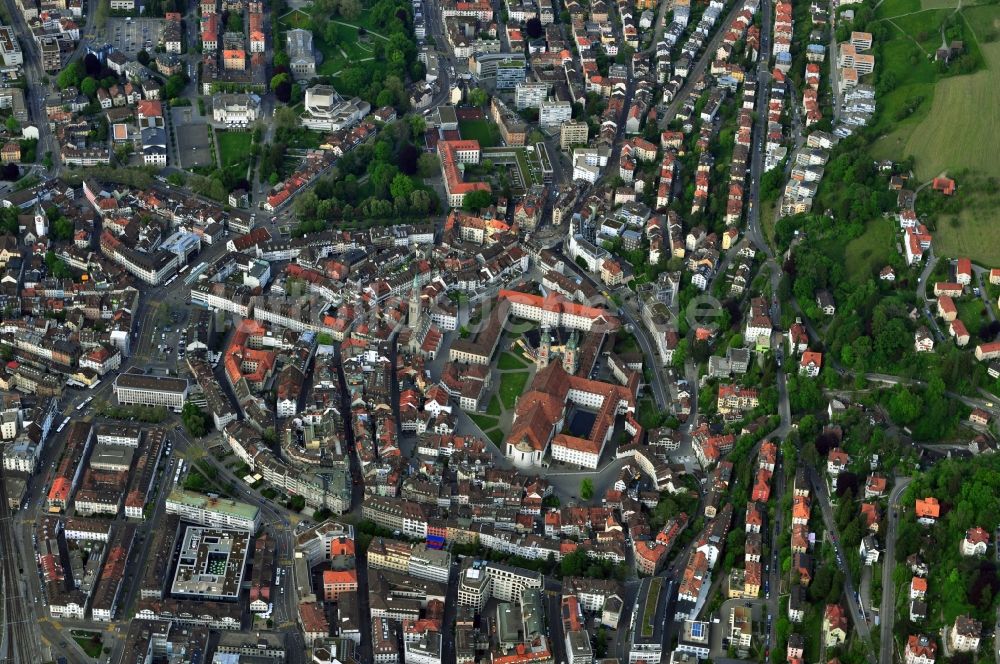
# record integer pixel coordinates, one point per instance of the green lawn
(972, 312)
(483, 131)
(947, 123)
(347, 49)
(494, 408)
(512, 386)
(865, 256)
(90, 642)
(496, 436)
(649, 414)
(972, 231)
(484, 422)
(234, 146)
(511, 361)
(295, 19)
(897, 7)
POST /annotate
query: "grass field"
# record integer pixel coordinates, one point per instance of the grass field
(484, 422)
(946, 123)
(973, 231)
(494, 407)
(90, 642)
(234, 146)
(495, 436)
(866, 255)
(483, 131)
(512, 386)
(348, 48)
(510, 361)
(972, 312)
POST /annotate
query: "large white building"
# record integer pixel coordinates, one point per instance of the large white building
(508, 582)
(578, 451)
(235, 110)
(530, 95)
(146, 390)
(554, 113)
(301, 58)
(213, 512)
(426, 650)
(10, 49)
(326, 110)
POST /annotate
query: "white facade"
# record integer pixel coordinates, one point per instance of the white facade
(554, 113)
(583, 458)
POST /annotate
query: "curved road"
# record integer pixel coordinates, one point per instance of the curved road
(887, 612)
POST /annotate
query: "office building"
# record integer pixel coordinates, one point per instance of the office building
(213, 512)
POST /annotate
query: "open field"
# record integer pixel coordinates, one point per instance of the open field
(972, 233)
(483, 131)
(510, 361)
(947, 123)
(484, 422)
(90, 642)
(512, 386)
(972, 312)
(234, 146)
(866, 255)
(347, 48)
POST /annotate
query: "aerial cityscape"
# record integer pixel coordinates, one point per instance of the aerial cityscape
(499, 331)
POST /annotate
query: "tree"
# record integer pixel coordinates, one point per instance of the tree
(573, 563)
(175, 86)
(401, 186)
(478, 97)
(350, 9)
(13, 126)
(194, 419)
(587, 488)
(427, 165)
(70, 76)
(143, 58)
(282, 88)
(89, 87)
(417, 126)
(92, 65)
(477, 200)
(534, 27)
(10, 172)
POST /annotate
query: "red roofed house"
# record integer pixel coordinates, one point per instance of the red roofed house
(946, 308)
(979, 416)
(920, 649)
(958, 330)
(976, 542)
(927, 510)
(869, 512)
(918, 587)
(336, 582)
(834, 625)
(810, 363)
(945, 185)
(875, 486)
(963, 271)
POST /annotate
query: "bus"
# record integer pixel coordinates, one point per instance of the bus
(92, 386)
(183, 269)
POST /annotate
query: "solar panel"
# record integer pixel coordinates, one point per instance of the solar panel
(696, 630)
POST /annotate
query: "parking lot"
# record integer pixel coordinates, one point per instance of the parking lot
(193, 138)
(132, 36)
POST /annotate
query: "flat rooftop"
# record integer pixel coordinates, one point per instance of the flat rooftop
(211, 563)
